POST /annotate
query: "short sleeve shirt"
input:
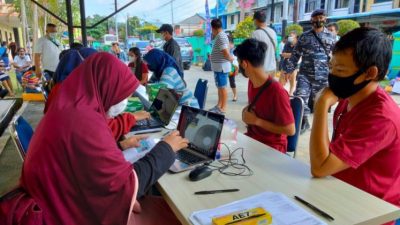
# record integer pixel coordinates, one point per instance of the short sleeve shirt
(218, 61)
(49, 53)
(270, 59)
(367, 138)
(274, 106)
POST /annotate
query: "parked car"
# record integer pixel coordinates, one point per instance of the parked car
(143, 46)
(186, 52)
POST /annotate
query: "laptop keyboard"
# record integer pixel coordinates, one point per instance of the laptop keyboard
(188, 158)
(150, 122)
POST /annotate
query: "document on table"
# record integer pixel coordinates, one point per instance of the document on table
(283, 210)
(134, 154)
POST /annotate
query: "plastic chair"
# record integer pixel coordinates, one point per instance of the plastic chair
(297, 105)
(201, 92)
(21, 133)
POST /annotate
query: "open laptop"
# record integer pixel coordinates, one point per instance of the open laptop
(161, 110)
(203, 129)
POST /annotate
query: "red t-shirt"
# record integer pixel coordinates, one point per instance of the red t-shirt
(273, 106)
(121, 124)
(367, 138)
(145, 69)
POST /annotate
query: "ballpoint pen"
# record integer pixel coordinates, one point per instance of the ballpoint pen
(315, 209)
(215, 191)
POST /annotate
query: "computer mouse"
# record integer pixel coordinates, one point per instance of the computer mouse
(200, 173)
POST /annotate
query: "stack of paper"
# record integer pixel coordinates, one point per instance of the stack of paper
(134, 154)
(282, 209)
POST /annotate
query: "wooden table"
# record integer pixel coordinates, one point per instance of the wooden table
(276, 172)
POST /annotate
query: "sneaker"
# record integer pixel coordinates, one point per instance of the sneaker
(214, 109)
(305, 125)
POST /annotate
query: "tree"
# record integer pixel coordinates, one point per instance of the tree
(147, 29)
(346, 26)
(198, 33)
(244, 28)
(294, 27)
(98, 31)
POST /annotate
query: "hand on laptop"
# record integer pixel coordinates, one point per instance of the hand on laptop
(132, 142)
(175, 140)
(141, 115)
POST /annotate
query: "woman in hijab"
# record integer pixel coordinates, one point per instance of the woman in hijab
(165, 70)
(120, 123)
(65, 174)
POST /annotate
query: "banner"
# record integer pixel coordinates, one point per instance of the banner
(208, 25)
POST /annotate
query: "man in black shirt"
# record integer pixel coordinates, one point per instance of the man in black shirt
(171, 46)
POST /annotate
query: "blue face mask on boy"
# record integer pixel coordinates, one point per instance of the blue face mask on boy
(344, 87)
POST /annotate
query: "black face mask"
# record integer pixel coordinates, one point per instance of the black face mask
(241, 70)
(318, 24)
(344, 87)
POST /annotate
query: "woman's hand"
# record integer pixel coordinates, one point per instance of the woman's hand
(176, 141)
(141, 115)
(132, 142)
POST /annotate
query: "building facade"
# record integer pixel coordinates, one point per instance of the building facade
(9, 23)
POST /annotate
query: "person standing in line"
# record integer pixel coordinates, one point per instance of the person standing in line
(334, 29)
(46, 51)
(171, 47)
(221, 64)
(315, 47)
(268, 36)
(286, 54)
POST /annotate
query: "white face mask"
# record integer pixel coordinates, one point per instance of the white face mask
(117, 109)
(290, 39)
(52, 35)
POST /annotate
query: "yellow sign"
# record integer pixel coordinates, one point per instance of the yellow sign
(255, 216)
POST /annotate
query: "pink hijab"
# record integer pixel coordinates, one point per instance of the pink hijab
(74, 169)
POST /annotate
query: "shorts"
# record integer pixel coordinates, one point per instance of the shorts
(4, 77)
(221, 79)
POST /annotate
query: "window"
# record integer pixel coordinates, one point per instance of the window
(341, 4)
(238, 18)
(232, 19)
(381, 1)
(311, 5)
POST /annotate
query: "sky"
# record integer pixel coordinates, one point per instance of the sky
(155, 11)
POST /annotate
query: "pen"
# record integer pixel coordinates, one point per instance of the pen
(215, 191)
(315, 209)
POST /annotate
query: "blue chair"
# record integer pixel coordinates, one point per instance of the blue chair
(21, 133)
(297, 105)
(398, 222)
(201, 92)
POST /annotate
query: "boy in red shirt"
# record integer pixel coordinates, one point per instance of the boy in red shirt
(269, 116)
(365, 147)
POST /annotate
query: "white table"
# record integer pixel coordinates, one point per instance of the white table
(276, 172)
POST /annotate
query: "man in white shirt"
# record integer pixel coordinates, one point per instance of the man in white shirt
(21, 63)
(47, 50)
(268, 36)
(220, 64)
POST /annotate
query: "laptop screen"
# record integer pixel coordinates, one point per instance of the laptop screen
(202, 129)
(164, 105)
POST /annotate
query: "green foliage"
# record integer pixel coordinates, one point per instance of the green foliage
(197, 50)
(198, 33)
(346, 26)
(294, 27)
(244, 28)
(147, 29)
(101, 29)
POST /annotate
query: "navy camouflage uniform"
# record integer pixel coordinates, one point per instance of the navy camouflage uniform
(314, 68)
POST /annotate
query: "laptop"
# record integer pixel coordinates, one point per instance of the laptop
(203, 130)
(161, 111)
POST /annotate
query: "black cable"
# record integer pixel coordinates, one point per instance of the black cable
(233, 164)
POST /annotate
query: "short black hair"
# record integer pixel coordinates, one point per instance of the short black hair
(216, 23)
(370, 47)
(260, 16)
(333, 25)
(76, 45)
(52, 25)
(251, 50)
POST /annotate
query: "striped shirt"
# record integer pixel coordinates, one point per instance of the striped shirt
(218, 62)
(171, 78)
